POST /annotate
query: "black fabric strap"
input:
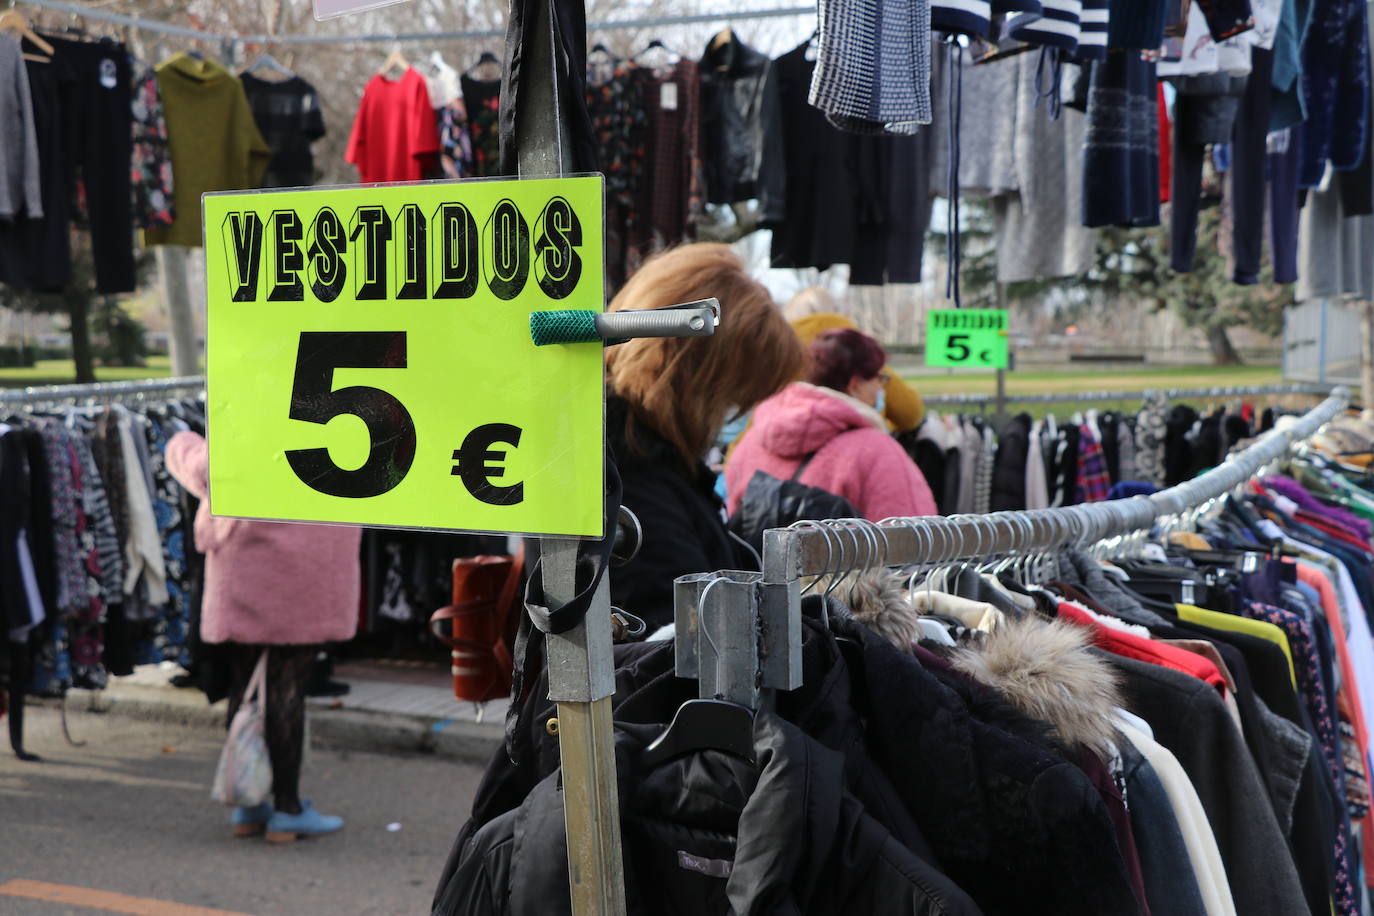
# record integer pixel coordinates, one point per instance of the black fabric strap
(593, 559)
(796, 475)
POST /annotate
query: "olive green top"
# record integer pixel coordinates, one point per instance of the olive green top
(213, 141)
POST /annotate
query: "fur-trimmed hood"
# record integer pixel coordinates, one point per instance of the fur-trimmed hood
(1045, 669)
(877, 599)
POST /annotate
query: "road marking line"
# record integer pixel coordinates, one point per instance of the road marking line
(103, 900)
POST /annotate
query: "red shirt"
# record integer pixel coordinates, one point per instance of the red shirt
(1139, 648)
(395, 136)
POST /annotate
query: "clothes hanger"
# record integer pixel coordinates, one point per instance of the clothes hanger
(394, 61)
(671, 56)
(267, 60)
(705, 724)
(487, 59)
(13, 22)
(722, 38)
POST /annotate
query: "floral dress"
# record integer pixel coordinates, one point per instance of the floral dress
(482, 99)
(150, 163)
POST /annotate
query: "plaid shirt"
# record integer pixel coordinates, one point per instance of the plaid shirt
(1094, 483)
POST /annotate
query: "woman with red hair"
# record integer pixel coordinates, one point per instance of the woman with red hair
(833, 422)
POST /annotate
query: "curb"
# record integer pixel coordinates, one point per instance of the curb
(342, 729)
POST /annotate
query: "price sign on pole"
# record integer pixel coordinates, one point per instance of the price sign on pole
(370, 361)
(969, 338)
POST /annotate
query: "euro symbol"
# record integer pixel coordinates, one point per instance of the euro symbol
(472, 464)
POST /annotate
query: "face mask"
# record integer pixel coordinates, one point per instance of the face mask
(732, 430)
(881, 404)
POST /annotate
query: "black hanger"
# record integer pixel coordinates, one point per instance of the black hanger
(600, 48)
(486, 58)
(704, 725)
(1174, 591)
(657, 44)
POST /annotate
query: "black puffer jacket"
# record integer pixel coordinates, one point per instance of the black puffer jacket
(681, 516)
(710, 833)
(1013, 824)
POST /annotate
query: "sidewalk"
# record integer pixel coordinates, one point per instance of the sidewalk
(390, 708)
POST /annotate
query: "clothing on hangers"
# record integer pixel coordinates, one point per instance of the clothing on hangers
(395, 136)
(214, 142)
(290, 117)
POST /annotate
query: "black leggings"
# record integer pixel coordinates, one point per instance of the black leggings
(288, 672)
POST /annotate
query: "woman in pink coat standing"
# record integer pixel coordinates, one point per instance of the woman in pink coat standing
(278, 588)
(834, 422)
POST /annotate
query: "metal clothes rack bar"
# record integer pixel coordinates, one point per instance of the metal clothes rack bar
(791, 553)
(1086, 397)
(739, 633)
(167, 28)
(101, 390)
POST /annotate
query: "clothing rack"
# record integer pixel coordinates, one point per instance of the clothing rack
(101, 391)
(846, 545)
(739, 633)
(1086, 397)
(167, 28)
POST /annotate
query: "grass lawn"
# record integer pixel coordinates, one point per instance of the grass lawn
(63, 372)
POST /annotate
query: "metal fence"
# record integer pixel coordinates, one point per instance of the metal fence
(1321, 343)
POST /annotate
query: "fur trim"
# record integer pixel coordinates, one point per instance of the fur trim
(1045, 670)
(877, 600)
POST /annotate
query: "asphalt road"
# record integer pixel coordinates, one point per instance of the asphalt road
(130, 814)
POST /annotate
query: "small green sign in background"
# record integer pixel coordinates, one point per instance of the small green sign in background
(971, 338)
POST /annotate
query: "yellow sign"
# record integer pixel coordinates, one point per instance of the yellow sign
(370, 359)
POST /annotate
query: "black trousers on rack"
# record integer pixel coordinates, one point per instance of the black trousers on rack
(98, 123)
(288, 674)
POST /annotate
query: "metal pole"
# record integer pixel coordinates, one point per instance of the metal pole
(1367, 353)
(1000, 414)
(175, 262)
(581, 666)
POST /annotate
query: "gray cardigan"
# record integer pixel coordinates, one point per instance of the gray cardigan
(20, 193)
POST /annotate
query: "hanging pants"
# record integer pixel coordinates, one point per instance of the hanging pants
(96, 99)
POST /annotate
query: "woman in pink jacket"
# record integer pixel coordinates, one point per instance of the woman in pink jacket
(278, 588)
(835, 420)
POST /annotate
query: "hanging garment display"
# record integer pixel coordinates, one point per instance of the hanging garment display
(20, 181)
(1121, 150)
(670, 193)
(94, 95)
(482, 99)
(1336, 87)
(215, 144)
(618, 117)
(289, 116)
(1186, 724)
(857, 200)
(873, 65)
(35, 251)
(395, 136)
(150, 161)
(741, 120)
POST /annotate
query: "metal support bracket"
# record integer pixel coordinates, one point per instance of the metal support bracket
(737, 635)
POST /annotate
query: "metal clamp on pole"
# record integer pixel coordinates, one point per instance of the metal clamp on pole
(566, 326)
(737, 635)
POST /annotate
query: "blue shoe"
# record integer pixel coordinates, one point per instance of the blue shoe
(251, 821)
(286, 828)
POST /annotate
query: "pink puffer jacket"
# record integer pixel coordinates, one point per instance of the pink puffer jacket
(271, 583)
(854, 456)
